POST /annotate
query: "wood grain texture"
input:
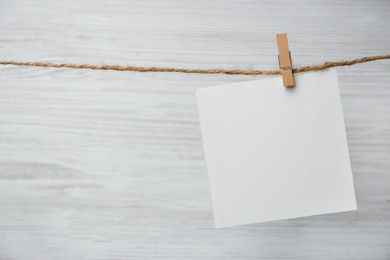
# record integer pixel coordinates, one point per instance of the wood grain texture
(109, 165)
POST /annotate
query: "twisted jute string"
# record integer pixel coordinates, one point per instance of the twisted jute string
(322, 66)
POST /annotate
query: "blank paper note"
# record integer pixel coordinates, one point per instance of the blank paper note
(274, 153)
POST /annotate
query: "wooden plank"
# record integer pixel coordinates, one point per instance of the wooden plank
(109, 165)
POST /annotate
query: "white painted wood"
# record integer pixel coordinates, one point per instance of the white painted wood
(109, 165)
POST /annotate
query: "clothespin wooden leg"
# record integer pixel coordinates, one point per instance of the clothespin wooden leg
(285, 62)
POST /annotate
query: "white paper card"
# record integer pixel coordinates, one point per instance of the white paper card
(275, 153)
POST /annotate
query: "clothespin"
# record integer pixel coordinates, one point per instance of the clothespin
(285, 62)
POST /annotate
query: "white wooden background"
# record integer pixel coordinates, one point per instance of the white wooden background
(109, 165)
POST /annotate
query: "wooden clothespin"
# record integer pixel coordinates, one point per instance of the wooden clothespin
(285, 62)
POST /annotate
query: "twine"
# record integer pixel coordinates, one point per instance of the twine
(322, 66)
